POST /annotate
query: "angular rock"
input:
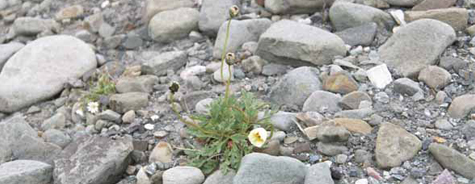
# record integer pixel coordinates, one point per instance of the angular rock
(110, 115)
(455, 17)
(26, 172)
(380, 76)
(340, 82)
(153, 7)
(319, 174)
(361, 35)
(356, 113)
(354, 125)
(406, 86)
(330, 149)
(435, 77)
(162, 152)
(445, 178)
(352, 100)
(468, 130)
(296, 7)
(295, 87)
(283, 120)
(219, 178)
(394, 145)
(265, 169)
(322, 101)
(56, 137)
(70, 12)
(241, 31)
(273, 69)
(183, 175)
(410, 50)
(40, 69)
(461, 106)
(452, 63)
(122, 103)
(284, 43)
(405, 3)
(332, 133)
(7, 50)
(29, 26)
(443, 124)
(159, 65)
(344, 15)
(101, 159)
(142, 84)
(253, 64)
(453, 160)
(213, 14)
(190, 100)
(433, 4)
(171, 25)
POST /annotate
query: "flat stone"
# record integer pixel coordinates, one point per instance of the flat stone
(452, 63)
(283, 120)
(453, 160)
(344, 15)
(331, 149)
(218, 177)
(354, 125)
(445, 178)
(296, 7)
(406, 86)
(379, 76)
(36, 73)
(455, 17)
(329, 133)
(101, 159)
(183, 175)
(122, 103)
(319, 174)
(356, 113)
(110, 115)
(394, 145)
(273, 69)
(352, 100)
(340, 82)
(461, 106)
(213, 14)
(153, 7)
(142, 84)
(70, 12)
(410, 50)
(159, 65)
(433, 4)
(361, 35)
(284, 43)
(405, 3)
(29, 26)
(162, 152)
(57, 121)
(26, 172)
(57, 137)
(322, 101)
(435, 77)
(171, 25)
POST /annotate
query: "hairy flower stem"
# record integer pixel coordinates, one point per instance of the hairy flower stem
(227, 83)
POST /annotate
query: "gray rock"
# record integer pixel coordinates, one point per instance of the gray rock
(360, 35)
(56, 137)
(110, 115)
(452, 63)
(153, 7)
(344, 15)
(453, 160)
(7, 50)
(219, 178)
(283, 120)
(468, 130)
(319, 174)
(295, 87)
(352, 100)
(142, 84)
(435, 77)
(356, 113)
(284, 43)
(213, 14)
(122, 103)
(39, 70)
(322, 101)
(273, 69)
(132, 41)
(253, 64)
(406, 3)
(183, 175)
(443, 124)
(159, 65)
(190, 100)
(26, 172)
(241, 31)
(461, 106)
(6, 153)
(406, 86)
(93, 22)
(331, 149)
(395, 145)
(57, 121)
(296, 7)
(266, 169)
(332, 133)
(455, 17)
(29, 26)
(410, 50)
(202, 106)
(23, 142)
(171, 25)
(101, 159)
(106, 30)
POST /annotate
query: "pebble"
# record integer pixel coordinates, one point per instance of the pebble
(362, 181)
(149, 126)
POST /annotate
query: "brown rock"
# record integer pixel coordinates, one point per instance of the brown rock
(352, 100)
(433, 4)
(435, 77)
(455, 17)
(272, 148)
(161, 153)
(340, 82)
(461, 106)
(70, 12)
(354, 125)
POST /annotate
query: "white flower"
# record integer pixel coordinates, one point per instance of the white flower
(258, 137)
(93, 107)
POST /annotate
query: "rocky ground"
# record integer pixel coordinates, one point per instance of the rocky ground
(369, 91)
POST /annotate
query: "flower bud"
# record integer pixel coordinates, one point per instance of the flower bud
(230, 58)
(174, 87)
(234, 11)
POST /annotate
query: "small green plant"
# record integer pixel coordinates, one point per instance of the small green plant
(104, 87)
(231, 128)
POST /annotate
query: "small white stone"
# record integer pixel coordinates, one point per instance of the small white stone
(149, 126)
(160, 134)
(154, 117)
(362, 181)
(398, 15)
(105, 4)
(379, 76)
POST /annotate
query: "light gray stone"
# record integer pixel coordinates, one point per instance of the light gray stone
(360, 35)
(39, 70)
(406, 86)
(202, 106)
(352, 100)
(171, 25)
(455, 17)
(142, 84)
(322, 101)
(266, 169)
(213, 14)
(296, 7)
(159, 65)
(283, 120)
(57, 121)
(331, 149)
(435, 77)
(319, 174)
(461, 106)
(296, 44)
(241, 31)
(152, 7)
(295, 87)
(29, 26)
(344, 15)
(101, 159)
(443, 124)
(410, 50)
(56, 137)
(122, 103)
(394, 145)
(406, 3)
(453, 160)
(7, 50)
(219, 178)
(183, 175)
(110, 115)
(26, 172)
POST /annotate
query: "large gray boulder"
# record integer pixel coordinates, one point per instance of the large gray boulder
(295, 87)
(241, 31)
(26, 172)
(39, 70)
(296, 44)
(171, 25)
(412, 47)
(265, 169)
(93, 160)
(152, 7)
(344, 15)
(7, 50)
(296, 6)
(213, 13)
